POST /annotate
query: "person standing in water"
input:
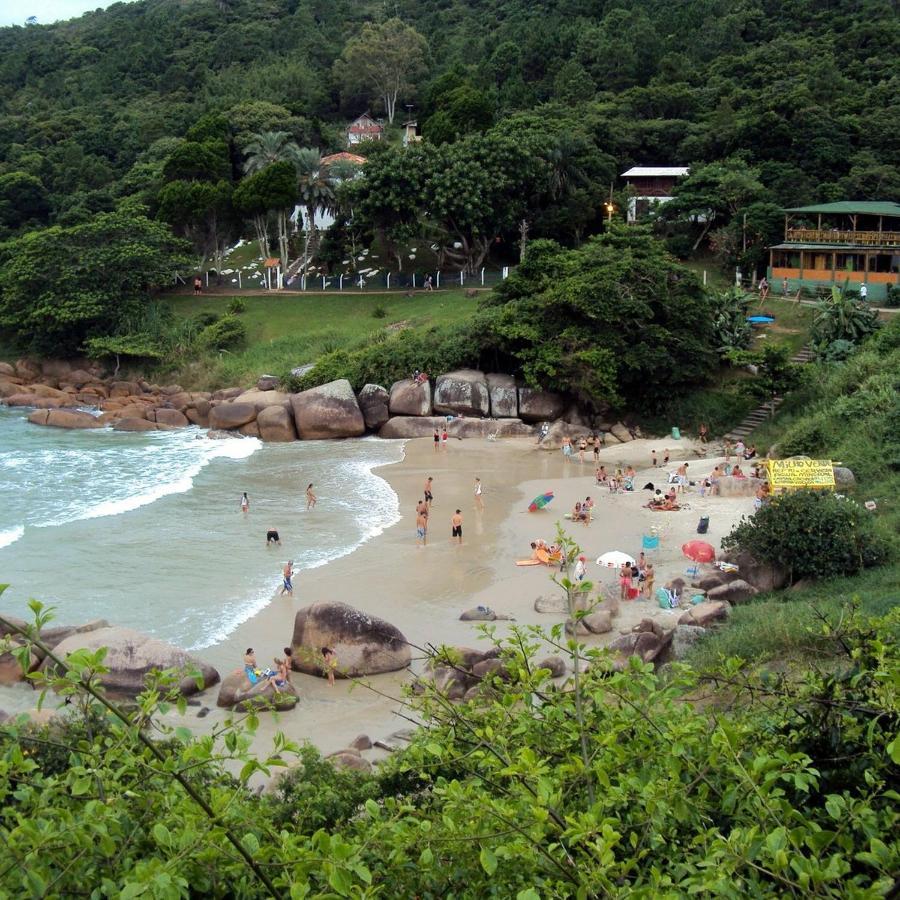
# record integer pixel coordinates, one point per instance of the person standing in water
(329, 663)
(479, 502)
(245, 502)
(272, 537)
(286, 574)
(456, 526)
(429, 497)
(311, 498)
(421, 527)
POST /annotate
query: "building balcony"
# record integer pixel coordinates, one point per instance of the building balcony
(837, 236)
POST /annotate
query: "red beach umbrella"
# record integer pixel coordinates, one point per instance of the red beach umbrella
(699, 551)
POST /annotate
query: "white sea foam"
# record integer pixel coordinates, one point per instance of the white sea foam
(11, 535)
(223, 449)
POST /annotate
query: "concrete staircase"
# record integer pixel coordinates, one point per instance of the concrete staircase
(768, 409)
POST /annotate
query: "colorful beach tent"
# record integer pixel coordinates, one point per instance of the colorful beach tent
(540, 502)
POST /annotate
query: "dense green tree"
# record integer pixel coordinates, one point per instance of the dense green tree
(23, 201)
(60, 286)
(315, 193)
(269, 147)
(271, 191)
(386, 59)
(463, 110)
(603, 321)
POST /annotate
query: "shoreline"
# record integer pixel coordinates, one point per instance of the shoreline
(422, 591)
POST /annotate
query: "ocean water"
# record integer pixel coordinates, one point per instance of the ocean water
(146, 530)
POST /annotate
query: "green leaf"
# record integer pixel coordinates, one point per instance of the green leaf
(161, 834)
(488, 860)
(528, 894)
(250, 843)
(426, 857)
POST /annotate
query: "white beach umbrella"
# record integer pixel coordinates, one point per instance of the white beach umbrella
(614, 559)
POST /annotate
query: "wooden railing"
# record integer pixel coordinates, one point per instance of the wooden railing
(834, 236)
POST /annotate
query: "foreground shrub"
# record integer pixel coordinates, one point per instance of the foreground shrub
(225, 334)
(811, 534)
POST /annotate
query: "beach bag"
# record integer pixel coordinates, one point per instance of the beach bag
(703, 525)
(662, 597)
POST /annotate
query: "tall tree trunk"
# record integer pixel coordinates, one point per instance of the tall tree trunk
(523, 238)
(261, 226)
(283, 238)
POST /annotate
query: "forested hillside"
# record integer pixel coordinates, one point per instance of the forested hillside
(808, 91)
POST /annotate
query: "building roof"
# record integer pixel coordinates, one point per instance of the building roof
(656, 172)
(840, 248)
(365, 124)
(352, 158)
(851, 207)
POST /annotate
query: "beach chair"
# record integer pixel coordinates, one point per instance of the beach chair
(666, 599)
(692, 571)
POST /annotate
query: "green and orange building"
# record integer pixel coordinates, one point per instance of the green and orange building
(832, 243)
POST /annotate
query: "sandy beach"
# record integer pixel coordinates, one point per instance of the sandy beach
(423, 590)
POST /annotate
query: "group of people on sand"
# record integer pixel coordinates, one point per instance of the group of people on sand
(440, 439)
(280, 677)
(618, 480)
(583, 511)
(636, 577)
(423, 512)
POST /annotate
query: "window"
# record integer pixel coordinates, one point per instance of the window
(884, 262)
(851, 262)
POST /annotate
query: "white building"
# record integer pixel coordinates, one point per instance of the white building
(652, 186)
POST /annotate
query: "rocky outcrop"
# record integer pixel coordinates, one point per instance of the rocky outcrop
(131, 656)
(236, 691)
(733, 592)
(132, 423)
(363, 644)
(231, 415)
(504, 396)
(64, 418)
(373, 401)
(268, 383)
(411, 426)
(729, 486)
(540, 406)
(276, 424)
(555, 664)
(620, 433)
(844, 477)
(705, 614)
(410, 399)
(462, 393)
(484, 428)
(649, 641)
(685, 637)
(327, 411)
(598, 622)
(171, 417)
(762, 576)
(264, 399)
(349, 759)
(559, 430)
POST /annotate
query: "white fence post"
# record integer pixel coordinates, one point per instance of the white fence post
(240, 285)
(482, 276)
(341, 282)
(439, 278)
(460, 278)
(323, 282)
(207, 277)
(504, 272)
(388, 280)
(414, 279)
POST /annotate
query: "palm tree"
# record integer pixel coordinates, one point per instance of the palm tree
(269, 147)
(315, 191)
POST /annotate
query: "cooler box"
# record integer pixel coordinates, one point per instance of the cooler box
(632, 593)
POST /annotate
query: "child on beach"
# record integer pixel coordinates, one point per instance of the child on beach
(329, 664)
(653, 460)
(580, 568)
(311, 498)
(444, 437)
(429, 497)
(666, 457)
(479, 502)
(245, 502)
(437, 440)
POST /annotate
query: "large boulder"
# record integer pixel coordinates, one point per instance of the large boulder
(553, 440)
(762, 576)
(231, 415)
(132, 423)
(729, 486)
(410, 399)
(268, 383)
(598, 622)
(171, 417)
(705, 614)
(844, 477)
(64, 418)
(251, 429)
(648, 645)
(733, 592)
(464, 392)
(620, 433)
(38, 402)
(226, 393)
(56, 368)
(482, 428)
(276, 424)
(237, 691)
(7, 369)
(504, 396)
(684, 639)
(28, 368)
(373, 401)
(411, 426)
(264, 399)
(363, 644)
(540, 406)
(349, 759)
(11, 671)
(327, 411)
(131, 656)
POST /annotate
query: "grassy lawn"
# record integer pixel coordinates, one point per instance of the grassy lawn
(791, 326)
(289, 330)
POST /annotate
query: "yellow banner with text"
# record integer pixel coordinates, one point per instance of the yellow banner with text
(786, 474)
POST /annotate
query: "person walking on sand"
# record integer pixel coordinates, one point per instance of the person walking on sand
(666, 457)
(444, 438)
(682, 478)
(311, 498)
(456, 527)
(286, 574)
(649, 578)
(624, 580)
(581, 568)
(437, 440)
(421, 528)
(596, 442)
(653, 460)
(567, 448)
(479, 491)
(329, 664)
(582, 447)
(429, 497)
(245, 502)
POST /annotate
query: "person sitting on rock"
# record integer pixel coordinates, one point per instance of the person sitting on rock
(256, 675)
(737, 473)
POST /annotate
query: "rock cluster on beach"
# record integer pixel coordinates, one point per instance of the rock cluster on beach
(469, 403)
